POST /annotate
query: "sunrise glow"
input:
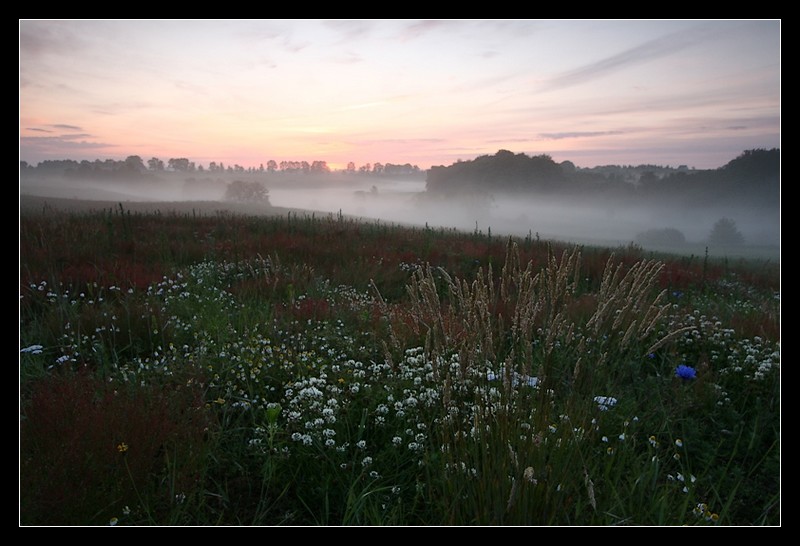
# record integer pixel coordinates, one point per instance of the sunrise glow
(401, 91)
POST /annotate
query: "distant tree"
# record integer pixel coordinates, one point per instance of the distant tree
(725, 233)
(178, 163)
(155, 164)
(134, 163)
(320, 167)
(272, 166)
(568, 167)
(351, 167)
(239, 190)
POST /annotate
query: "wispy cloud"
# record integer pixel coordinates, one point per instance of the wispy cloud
(351, 30)
(66, 127)
(421, 28)
(654, 49)
(578, 134)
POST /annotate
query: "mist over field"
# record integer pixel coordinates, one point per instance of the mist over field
(582, 218)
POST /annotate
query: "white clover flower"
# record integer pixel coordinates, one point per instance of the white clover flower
(361, 444)
(366, 461)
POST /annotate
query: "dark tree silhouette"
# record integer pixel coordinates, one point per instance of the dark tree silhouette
(725, 233)
(239, 190)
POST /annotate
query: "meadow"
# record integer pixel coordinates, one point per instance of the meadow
(196, 368)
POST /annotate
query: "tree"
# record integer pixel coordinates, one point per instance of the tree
(155, 164)
(134, 163)
(178, 164)
(272, 166)
(239, 190)
(725, 233)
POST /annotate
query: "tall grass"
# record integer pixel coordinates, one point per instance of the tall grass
(322, 371)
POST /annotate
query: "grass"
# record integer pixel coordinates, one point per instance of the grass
(220, 369)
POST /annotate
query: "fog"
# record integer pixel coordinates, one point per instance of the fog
(600, 222)
(404, 201)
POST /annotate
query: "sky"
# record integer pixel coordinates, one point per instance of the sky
(424, 92)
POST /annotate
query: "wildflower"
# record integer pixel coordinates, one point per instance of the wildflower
(529, 475)
(678, 442)
(33, 349)
(652, 441)
(605, 402)
(622, 437)
(113, 521)
(685, 372)
(122, 447)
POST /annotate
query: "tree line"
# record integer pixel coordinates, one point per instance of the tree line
(134, 164)
(753, 177)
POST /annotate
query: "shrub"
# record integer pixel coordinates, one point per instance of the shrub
(665, 236)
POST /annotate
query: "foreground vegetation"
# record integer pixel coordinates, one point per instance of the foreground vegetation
(232, 370)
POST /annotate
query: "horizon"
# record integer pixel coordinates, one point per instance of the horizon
(427, 93)
(421, 170)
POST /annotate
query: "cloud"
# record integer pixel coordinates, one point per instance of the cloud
(351, 30)
(51, 146)
(421, 28)
(653, 49)
(38, 38)
(39, 130)
(67, 127)
(577, 134)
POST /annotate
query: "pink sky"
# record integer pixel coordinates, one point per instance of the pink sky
(399, 91)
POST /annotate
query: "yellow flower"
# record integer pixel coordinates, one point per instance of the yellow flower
(122, 447)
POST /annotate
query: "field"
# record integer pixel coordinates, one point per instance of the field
(200, 367)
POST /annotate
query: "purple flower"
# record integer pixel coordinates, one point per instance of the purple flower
(685, 372)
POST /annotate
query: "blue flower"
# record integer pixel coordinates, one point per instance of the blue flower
(685, 372)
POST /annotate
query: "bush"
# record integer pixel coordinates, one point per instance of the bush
(666, 236)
